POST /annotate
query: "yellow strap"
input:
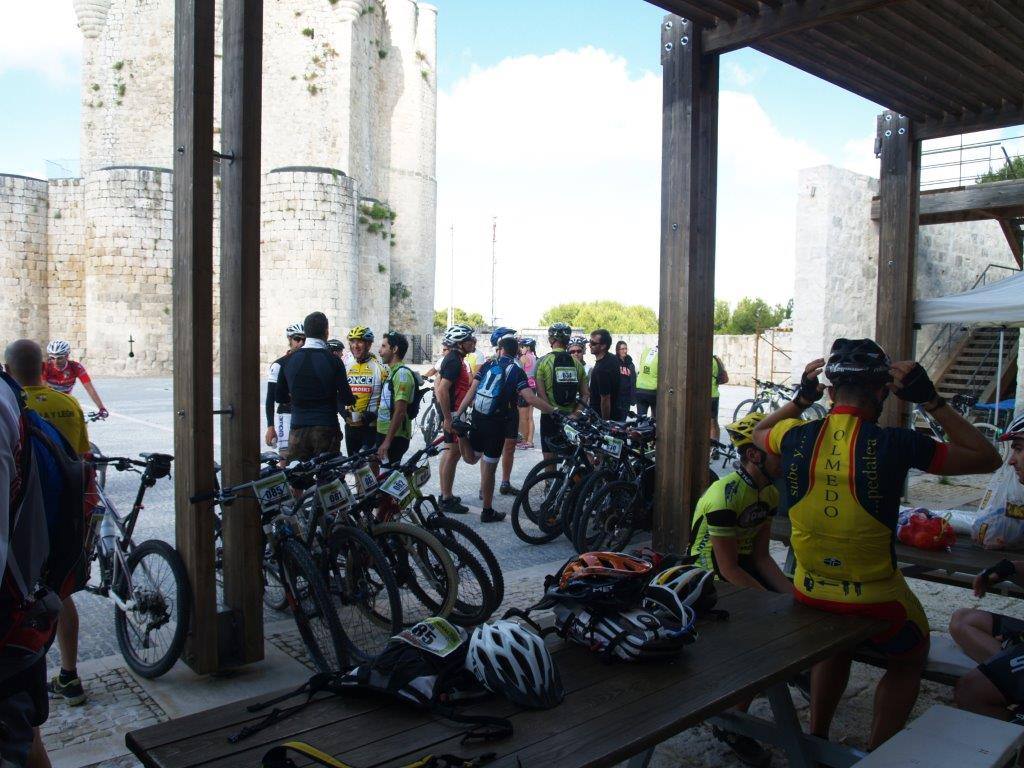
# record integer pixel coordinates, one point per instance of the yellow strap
(316, 754)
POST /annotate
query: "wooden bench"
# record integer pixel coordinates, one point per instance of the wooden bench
(944, 737)
(612, 712)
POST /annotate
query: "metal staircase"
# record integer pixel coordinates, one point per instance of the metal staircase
(972, 369)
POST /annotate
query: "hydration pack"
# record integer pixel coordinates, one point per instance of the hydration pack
(488, 400)
(413, 409)
(565, 379)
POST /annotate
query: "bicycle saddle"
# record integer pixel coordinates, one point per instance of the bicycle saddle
(157, 457)
(269, 456)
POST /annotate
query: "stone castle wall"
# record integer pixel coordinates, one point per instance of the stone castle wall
(65, 245)
(24, 204)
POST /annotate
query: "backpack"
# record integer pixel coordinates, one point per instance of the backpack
(417, 391)
(488, 399)
(565, 379)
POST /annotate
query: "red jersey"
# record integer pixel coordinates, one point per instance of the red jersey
(64, 381)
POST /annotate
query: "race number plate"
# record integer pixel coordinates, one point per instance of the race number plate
(397, 487)
(334, 496)
(612, 446)
(571, 433)
(365, 481)
(434, 635)
(272, 491)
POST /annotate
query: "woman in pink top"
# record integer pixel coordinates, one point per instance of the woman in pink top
(528, 361)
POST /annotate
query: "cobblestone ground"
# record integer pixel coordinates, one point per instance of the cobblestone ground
(141, 421)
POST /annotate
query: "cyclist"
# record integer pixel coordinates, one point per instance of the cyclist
(24, 363)
(627, 378)
(450, 387)
(718, 376)
(393, 424)
(337, 348)
(844, 477)
(992, 639)
(561, 381)
(473, 358)
(647, 382)
(508, 454)
(730, 534)
(277, 428)
(577, 347)
(528, 362)
(366, 376)
(604, 377)
(61, 373)
(494, 394)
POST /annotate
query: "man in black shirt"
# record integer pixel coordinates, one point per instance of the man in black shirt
(604, 377)
(317, 384)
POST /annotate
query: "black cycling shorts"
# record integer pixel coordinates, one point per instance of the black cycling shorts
(552, 438)
(487, 435)
(714, 408)
(24, 705)
(397, 449)
(358, 438)
(1006, 669)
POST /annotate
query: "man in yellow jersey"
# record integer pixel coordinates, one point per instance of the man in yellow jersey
(843, 478)
(24, 362)
(718, 376)
(366, 376)
(647, 382)
(473, 358)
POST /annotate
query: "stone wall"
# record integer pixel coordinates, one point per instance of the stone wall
(836, 271)
(23, 259)
(65, 246)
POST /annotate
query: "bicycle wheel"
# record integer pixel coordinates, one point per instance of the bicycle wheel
(312, 608)
(446, 528)
(750, 405)
(427, 580)
(591, 485)
(475, 601)
(609, 521)
(535, 517)
(992, 433)
(152, 631)
(364, 592)
(430, 424)
(273, 590)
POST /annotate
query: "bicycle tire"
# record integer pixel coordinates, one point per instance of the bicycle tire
(429, 560)
(545, 521)
(747, 406)
(567, 510)
(591, 484)
(313, 609)
(544, 465)
(362, 586)
(622, 496)
(475, 599)
(463, 534)
(992, 433)
(430, 424)
(156, 601)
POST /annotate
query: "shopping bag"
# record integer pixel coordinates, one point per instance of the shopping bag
(924, 530)
(1000, 522)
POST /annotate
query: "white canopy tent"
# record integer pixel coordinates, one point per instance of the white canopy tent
(1000, 303)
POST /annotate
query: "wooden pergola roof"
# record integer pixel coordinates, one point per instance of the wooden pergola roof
(949, 65)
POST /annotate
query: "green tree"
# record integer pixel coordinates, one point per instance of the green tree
(473, 319)
(754, 315)
(613, 315)
(1014, 169)
(722, 315)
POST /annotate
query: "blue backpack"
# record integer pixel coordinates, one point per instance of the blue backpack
(488, 400)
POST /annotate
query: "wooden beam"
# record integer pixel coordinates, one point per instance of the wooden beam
(241, 101)
(897, 247)
(688, 205)
(688, 10)
(993, 200)
(1000, 55)
(786, 19)
(192, 286)
(1012, 232)
(987, 119)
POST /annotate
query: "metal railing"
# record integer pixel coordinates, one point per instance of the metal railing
(968, 161)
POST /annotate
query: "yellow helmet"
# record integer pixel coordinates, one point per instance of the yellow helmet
(360, 333)
(742, 432)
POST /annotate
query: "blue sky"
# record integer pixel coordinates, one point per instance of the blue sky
(549, 119)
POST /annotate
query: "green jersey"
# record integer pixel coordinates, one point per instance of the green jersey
(714, 376)
(731, 508)
(401, 385)
(647, 370)
(548, 374)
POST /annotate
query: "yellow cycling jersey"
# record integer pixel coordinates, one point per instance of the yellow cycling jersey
(843, 477)
(366, 380)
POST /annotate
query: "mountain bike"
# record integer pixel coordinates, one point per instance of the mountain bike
(101, 469)
(964, 405)
(430, 419)
(769, 396)
(147, 583)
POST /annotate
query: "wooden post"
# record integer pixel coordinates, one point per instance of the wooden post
(193, 320)
(899, 193)
(240, 321)
(688, 202)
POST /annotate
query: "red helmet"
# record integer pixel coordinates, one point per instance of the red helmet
(607, 564)
(1015, 430)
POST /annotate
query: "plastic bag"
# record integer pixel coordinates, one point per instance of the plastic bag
(1000, 522)
(924, 530)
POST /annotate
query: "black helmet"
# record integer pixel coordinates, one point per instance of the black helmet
(857, 361)
(335, 345)
(560, 331)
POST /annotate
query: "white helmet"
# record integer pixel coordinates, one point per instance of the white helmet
(295, 329)
(694, 586)
(457, 333)
(512, 661)
(1015, 430)
(58, 348)
(638, 634)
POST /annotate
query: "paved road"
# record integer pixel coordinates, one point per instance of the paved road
(141, 420)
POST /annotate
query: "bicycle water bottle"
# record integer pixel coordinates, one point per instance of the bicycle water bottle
(108, 532)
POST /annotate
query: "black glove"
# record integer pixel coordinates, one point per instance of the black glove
(1004, 569)
(809, 391)
(916, 387)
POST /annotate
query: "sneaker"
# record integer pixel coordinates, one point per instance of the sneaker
(453, 506)
(748, 750)
(491, 516)
(71, 691)
(507, 489)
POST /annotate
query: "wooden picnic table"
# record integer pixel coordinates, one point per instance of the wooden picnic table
(612, 712)
(956, 567)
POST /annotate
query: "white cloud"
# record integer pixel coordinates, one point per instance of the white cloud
(858, 155)
(565, 149)
(41, 36)
(740, 75)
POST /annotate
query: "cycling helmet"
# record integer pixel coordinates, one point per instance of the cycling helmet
(599, 580)
(604, 564)
(512, 661)
(335, 345)
(667, 605)
(499, 333)
(528, 341)
(560, 331)
(631, 635)
(578, 341)
(857, 361)
(694, 586)
(360, 333)
(457, 334)
(59, 348)
(1015, 430)
(742, 432)
(295, 331)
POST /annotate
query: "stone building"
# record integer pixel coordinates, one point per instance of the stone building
(349, 189)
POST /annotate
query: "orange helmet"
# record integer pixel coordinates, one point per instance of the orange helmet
(608, 564)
